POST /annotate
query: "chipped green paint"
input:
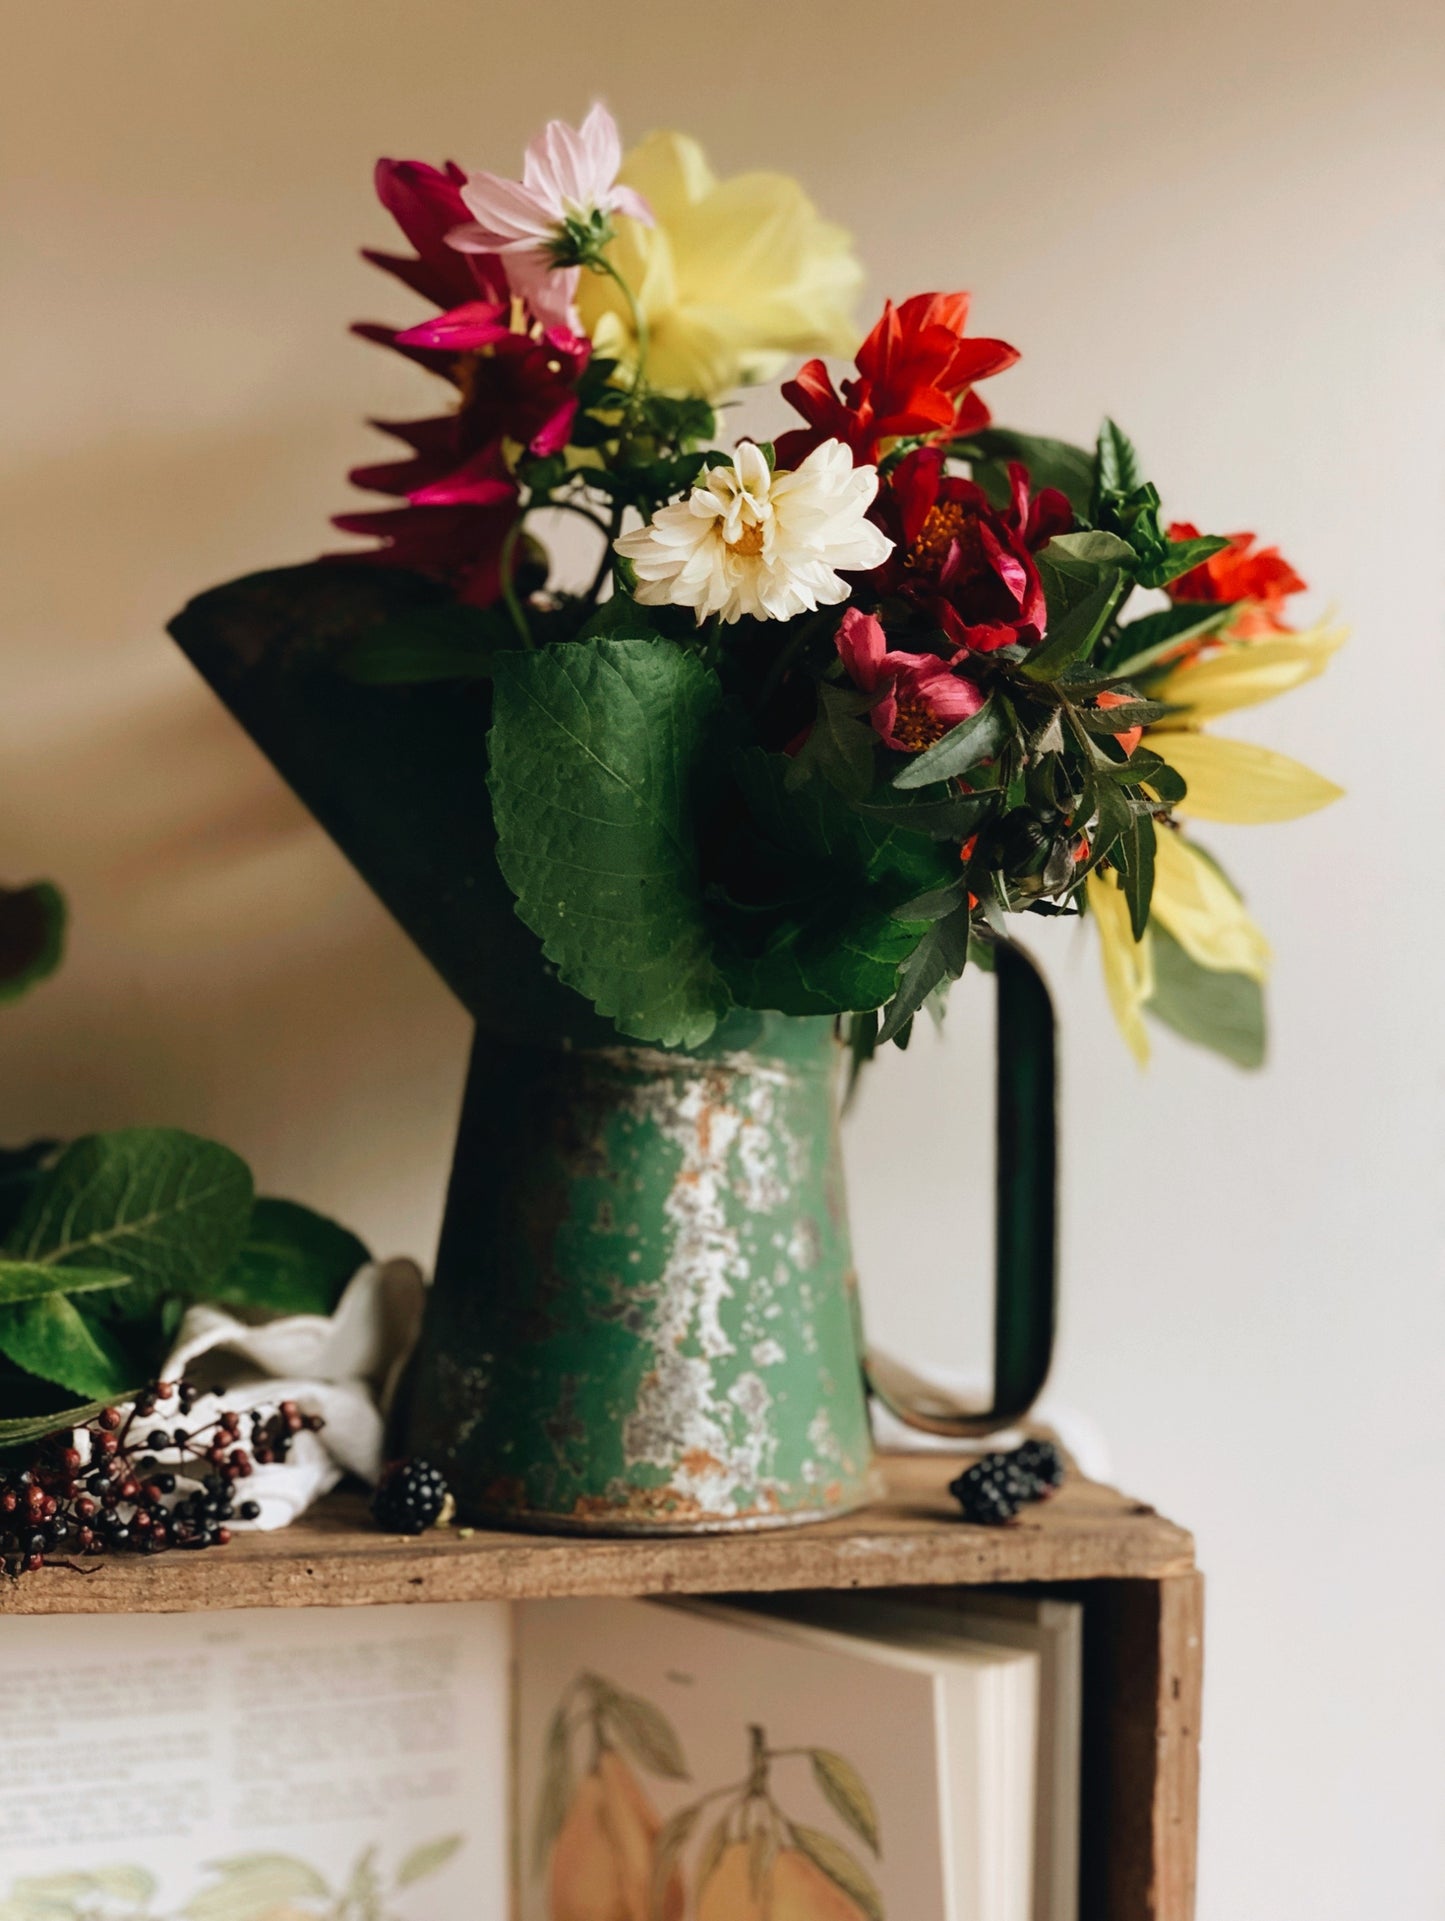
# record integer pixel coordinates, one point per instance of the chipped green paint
(644, 1315)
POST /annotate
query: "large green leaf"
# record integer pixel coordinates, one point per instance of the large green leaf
(51, 1338)
(1051, 463)
(161, 1205)
(33, 1280)
(32, 936)
(815, 933)
(1224, 1012)
(292, 1261)
(596, 750)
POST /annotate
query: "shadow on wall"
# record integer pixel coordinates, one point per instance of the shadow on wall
(211, 920)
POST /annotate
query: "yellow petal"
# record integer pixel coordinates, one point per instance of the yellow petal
(1203, 913)
(1233, 780)
(737, 278)
(1245, 674)
(1128, 964)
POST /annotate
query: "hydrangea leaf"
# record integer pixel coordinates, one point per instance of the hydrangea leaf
(293, 1261)
(596, 747)
(156, 1203)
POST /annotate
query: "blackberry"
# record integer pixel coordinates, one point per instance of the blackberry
(410, 1497)
(1041, 1465)
(990, 1492)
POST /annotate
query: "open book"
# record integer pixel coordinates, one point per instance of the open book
(813, 1759)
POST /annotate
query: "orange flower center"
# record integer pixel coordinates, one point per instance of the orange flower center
(916, 725)
(748, 543)
(945, 522)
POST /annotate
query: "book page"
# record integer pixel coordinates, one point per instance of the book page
(632, 1714)
(347, 1763)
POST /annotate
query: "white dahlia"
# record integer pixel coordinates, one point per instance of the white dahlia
(747, 540)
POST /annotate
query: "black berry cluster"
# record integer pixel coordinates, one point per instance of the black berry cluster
(993, 1490)
(102, 1488)
(410, 1497)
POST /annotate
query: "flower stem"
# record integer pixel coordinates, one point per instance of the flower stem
(507, 567)
(639, 325)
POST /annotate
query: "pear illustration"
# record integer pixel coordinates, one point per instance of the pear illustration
(756, 1863)
(602, 1860)
(794, 1889)
(596, 1837)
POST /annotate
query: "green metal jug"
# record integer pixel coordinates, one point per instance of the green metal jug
(645, 1313)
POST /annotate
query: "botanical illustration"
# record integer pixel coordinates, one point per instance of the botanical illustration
(597, 1833)
(245, 1887)
(733, 1853)
(756, 1863)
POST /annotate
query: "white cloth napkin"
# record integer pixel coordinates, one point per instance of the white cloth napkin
(343, 1366)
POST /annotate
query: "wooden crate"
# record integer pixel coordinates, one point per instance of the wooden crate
(1132, 1570)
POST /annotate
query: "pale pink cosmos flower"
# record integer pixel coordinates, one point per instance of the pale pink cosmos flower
(569, 177)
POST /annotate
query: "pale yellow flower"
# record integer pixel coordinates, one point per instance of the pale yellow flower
(1128, 964)
(1191, 901)
(1233, 780)
(736, 278)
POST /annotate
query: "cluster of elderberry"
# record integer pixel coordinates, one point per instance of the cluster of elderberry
(993, 1490)
(104, 1489)
(410, 1497)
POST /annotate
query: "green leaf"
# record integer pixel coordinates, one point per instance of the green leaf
(1129, 713)
(1072, 565)
(1134, 856)
(51, 1338)
(1051, 463)
(293, 1261)
(840, 744)
(249, 1886)
(167, 1208)
(647, 1734)
(975, 739)
(1119, 471)
(843, 1869)
(816, 935)
(427, 1859)
(1224, 1012)
(555, 1795)
(939, 957)
(452, 642)
(953, 818)
(1143, 643)
(28, 1428)
(33, 1280)
(21, 1169)
(846, 1789)
(1179, 557)
(32, 936)
(620, 617)
(1073, 637)
(596, 746)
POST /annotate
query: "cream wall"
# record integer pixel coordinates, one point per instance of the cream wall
(1219, 221)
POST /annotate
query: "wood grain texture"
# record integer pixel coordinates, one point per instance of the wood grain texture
(1143, 1679)
(912, 1537)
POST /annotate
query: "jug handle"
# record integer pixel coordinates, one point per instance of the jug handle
(1026, 1207)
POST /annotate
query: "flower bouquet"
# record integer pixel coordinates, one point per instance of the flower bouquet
(815, 723)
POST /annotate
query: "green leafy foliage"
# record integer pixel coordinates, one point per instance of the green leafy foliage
(1221, 1011)
(595, 752)
(814, 886)
(106, 1243)
(32, 936)
(1051, 463)
(961, 749)
(163, 1206)
(292, 1261)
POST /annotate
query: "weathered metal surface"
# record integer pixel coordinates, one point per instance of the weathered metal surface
(644, 1317)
